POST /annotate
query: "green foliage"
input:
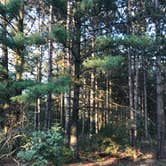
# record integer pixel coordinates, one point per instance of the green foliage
(19, 40)
(2, 10)
(3, 89)
(67, 154)
(110, 146)
(104, 144)
(132, 153)
(105, 63)
(153, 12)
(103, 42)
(6, 40)
(44, 147)
(16, 86)
(59, 34)
(137, 41)
(13, 7)
(35, 39)
(107, 4)
(109, 139)
(86, 5)
(59, 4)
(118, 133)
(41, 89)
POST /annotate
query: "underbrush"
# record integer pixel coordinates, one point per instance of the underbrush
(114, 141)
(45, 148)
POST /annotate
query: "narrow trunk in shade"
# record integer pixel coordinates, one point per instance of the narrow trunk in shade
(77, 72)
(4, 73)
(159, 91)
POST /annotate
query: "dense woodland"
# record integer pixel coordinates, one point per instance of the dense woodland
(79, 76)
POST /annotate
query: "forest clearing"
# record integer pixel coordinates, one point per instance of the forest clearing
(82, 82)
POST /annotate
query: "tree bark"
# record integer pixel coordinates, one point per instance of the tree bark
(77, 72)
(19, 66)
(4, 72)
(136, 96)
(159, 89)
(131, 103)
(92, 94)
(67, 95)
(145, 102)
(160, 112)
(48, 103)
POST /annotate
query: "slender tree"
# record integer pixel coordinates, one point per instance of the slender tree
(48, 103)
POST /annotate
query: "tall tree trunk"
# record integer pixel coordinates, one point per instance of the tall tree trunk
(67, 116)
(145, 102)
(130, 82)
(136, 96)
(107, 99)
(159, 89)
(62, 110)
(92, 94)
(48, 103)
(37, 123)
(4, 73)
(77, 70)
(38, 100)
(160, 112)
(83, 113)
(19, 66)
(97, 110)
(19, 59)
(67, 95)
(131, 96)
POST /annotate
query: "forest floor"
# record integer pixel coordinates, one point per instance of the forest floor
(106, 161)
(116, 162)
(146, 159)
(101, 159)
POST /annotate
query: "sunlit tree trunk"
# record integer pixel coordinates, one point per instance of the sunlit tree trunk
(92, 94)
(38, 100)
(62, 110)
(37, 110)
(136, 96)
(97, 110)
(48, 103)
(130, 82)
(67, 95)
(131, 103)
(19, 66)
(107, 99)
(37, 123)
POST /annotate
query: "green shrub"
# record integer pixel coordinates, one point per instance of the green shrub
(118, 133)
(44, 147)
(132, 153)
(67, 155)
(111, 146)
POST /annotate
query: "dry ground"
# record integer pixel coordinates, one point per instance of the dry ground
(146, 159)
